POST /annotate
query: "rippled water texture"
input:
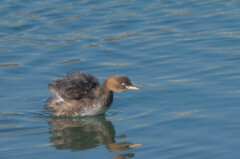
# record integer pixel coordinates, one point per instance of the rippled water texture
(184, 56)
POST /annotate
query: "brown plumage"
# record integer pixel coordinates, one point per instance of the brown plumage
(80, 94)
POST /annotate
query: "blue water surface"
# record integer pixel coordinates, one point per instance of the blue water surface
(183, 55)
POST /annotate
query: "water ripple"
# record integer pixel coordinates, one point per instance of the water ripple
(184, 54)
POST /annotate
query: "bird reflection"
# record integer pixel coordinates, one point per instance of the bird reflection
(85, 133)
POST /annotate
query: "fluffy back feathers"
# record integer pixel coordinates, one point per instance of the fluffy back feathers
(74, 86)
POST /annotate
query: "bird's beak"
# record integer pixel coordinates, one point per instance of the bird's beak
(132, 87)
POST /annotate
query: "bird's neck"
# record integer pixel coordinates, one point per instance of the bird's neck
(103, 89)
(105, 95)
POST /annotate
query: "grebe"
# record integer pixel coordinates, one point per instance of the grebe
(80, 94)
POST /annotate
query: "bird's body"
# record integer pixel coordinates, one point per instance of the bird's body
(80, 94)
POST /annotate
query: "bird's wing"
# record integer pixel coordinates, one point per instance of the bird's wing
(73, 86)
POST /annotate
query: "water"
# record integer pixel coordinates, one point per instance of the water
(184, 56)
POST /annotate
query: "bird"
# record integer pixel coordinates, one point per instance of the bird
(80, 94)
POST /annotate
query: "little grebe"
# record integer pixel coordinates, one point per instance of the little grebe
(80, 94)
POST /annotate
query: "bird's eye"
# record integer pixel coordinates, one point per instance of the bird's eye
(123, 84)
